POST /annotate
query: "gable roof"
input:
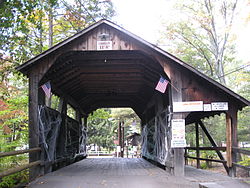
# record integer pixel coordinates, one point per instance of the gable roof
(32, 62)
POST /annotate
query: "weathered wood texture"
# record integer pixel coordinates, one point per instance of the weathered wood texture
(124, 173)
(197, 138)
(11, 153)
(33, 124)
(125, 76)
(229, 140)
(232, 121)
(176, 94)
(213, 144)
(207, 148)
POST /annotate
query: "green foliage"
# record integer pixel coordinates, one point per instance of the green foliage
(26, 28)
(203, 36)
(130, 119)
(14, 179)
(245, 162)
(208, 154)
(103, 125)
(102, 129)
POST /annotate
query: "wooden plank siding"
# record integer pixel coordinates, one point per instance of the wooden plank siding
(125, 76)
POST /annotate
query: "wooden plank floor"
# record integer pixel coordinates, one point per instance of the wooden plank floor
(120, 173)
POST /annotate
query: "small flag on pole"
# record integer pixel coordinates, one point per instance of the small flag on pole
(162, 85)
(47, 89)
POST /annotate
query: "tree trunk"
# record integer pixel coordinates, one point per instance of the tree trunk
(50, 26)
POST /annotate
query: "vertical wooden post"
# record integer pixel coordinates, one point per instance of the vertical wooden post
(119, 137)
(176, 96)
(232, 139)
(122, 139)
(33, 124)
(61, 146)
(185, 154)
(79, 119)
(197, 145)
(85, 122)
(229, 142)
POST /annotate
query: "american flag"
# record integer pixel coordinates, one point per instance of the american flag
(47, 89)
(162, 85)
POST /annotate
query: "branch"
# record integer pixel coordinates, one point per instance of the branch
(199, 49)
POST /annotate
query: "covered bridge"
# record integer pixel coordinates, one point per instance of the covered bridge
(106, 66)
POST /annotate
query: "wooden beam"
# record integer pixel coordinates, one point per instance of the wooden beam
(70, 99)
(11, 153)
(210, 138)
(229, 140)
(197, 145)
(176, 96)
(61, 141)
(240, 150)
(234, 137)
(35, 171)
(241, 166)
(208, 148)
(204, 159)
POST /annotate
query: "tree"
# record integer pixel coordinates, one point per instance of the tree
(130, 119)
(102, 129)
(27, 28)
(202, 36)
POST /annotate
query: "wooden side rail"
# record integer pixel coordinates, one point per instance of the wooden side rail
(241, 166)
(207, 148)
(11, 153)
(20, 168)
(243, 151)
(240, 150)
(212, 160)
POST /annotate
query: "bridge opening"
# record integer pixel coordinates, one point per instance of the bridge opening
(114, 132)
(85, 83)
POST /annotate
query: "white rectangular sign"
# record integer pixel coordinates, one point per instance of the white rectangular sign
(104, 45)
(178, 133)
(178, 143)
(178, 129)
(207, 107)
(219, 106)
(118, 148)
(190, 106)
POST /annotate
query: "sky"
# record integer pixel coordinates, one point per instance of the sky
(144, 18)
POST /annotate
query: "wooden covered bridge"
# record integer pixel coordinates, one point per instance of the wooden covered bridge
(106, 66)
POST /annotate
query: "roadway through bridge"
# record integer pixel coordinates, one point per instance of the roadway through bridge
(128, 172)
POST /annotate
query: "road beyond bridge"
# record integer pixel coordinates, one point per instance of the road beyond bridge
(124, 173)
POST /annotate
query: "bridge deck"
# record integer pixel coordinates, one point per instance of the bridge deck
(124, 173)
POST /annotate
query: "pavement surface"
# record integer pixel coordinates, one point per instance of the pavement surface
(129, 173)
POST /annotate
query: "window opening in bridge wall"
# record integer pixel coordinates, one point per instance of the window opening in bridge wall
(55, 100)
(49, 125)
(71, 112)
(156, 136)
